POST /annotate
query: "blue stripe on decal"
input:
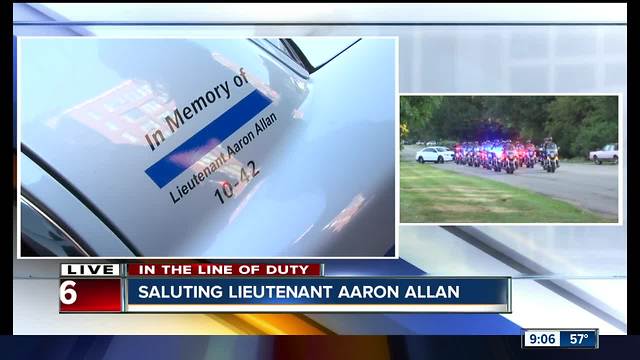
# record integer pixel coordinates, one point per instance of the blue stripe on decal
(205, 140)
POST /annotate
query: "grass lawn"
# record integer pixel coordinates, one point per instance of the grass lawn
(432, 195)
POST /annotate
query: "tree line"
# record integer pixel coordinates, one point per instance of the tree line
(578, 124)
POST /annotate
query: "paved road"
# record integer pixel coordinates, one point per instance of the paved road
(589, 186)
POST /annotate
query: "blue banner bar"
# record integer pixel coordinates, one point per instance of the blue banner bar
(320, 291)
(205, 140)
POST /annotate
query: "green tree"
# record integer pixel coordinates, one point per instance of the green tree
(416, 113)
(599, 127)
(582, 123)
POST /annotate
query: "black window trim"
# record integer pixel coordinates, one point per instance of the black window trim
(301, 59)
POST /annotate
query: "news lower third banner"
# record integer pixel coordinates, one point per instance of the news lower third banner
(207, 287)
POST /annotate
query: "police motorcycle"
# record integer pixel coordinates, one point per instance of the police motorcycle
(497, 157)
(490, 158)
(551, 160)
(477, 156)
(463, 153)
(484, 155)
(520, 152)
(530, 155)
(470, 155)
(511, 158)
(458, 154)
(540, 155)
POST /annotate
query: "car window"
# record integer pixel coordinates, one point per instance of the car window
(42, 237)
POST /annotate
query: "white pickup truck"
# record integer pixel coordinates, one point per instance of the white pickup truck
(608, 153)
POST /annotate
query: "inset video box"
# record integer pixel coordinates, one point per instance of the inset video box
(203, 150)
(207, 287)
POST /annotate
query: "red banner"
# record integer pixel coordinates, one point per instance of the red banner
(90, 295)
(205, 269)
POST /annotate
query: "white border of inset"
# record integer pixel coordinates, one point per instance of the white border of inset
(396, 142)
(620, 166)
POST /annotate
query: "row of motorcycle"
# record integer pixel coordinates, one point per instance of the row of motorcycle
(508, 157)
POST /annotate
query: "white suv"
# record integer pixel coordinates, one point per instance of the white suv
(437, 154)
